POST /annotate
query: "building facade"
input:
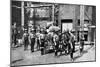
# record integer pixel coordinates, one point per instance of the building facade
(66, 16)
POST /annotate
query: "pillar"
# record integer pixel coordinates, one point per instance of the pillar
(22, 13)
(82, 17)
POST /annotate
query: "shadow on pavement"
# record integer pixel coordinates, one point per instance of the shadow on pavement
(80, 56)
(16, 60)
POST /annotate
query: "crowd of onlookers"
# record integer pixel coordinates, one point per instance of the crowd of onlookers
(60, 42)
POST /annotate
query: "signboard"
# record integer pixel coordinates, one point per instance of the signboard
(43, 12)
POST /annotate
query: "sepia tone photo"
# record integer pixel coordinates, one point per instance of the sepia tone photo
(51, 33)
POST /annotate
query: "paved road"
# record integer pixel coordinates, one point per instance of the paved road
(21, 57)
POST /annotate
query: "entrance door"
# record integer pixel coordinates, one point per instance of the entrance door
(66, 24)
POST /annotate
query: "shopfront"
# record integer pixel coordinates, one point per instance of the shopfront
(37, 14)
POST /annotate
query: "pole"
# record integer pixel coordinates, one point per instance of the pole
(59, 18)
(75, 21)
(53, 13)
(22, 12)
(82, 18)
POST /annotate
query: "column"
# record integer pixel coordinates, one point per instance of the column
(59, 17)
(75, 20)
(53, 13)
(22, 13)
(82, 17)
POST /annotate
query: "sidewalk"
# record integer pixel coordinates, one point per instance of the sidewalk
(88, 55)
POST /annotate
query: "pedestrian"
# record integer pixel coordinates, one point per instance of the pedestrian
(32, 38)
(56, 43)
(72, 43)
(67, 42)
(81, 43)
(38, 39)
(72, 38)
(42, 42)
(26, 39)
(64, 42)
(14, 35)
